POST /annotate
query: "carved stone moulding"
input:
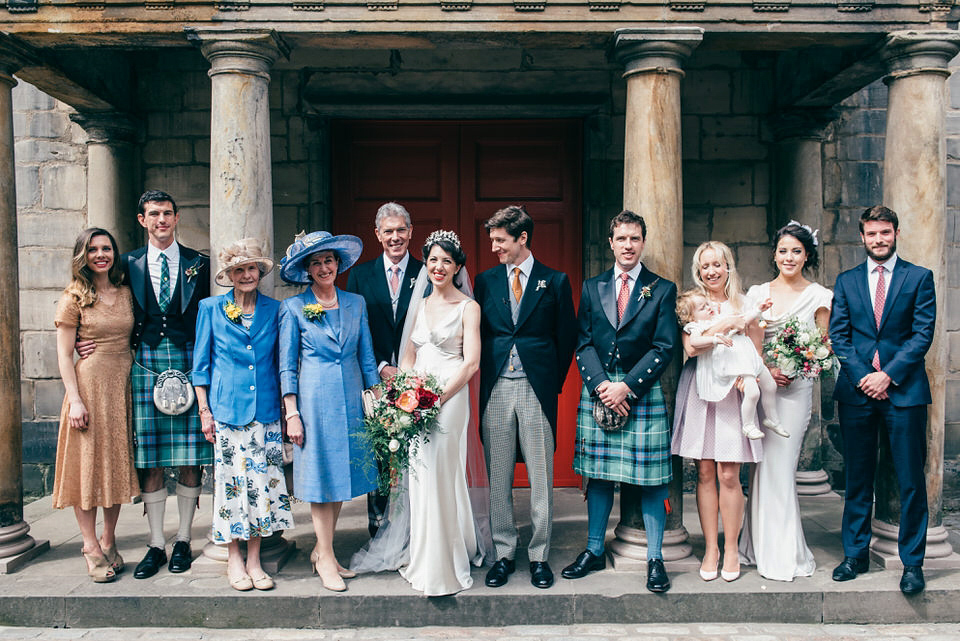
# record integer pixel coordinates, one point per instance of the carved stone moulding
(763, 6)
(529, 5)
(687, 5)
(382, 5)
(231, 5)
(90, 6)
(936, 5)
(456, 5)
(158, 5)
(604, 5)
(855, 5)
(22, 6)
(304, 5)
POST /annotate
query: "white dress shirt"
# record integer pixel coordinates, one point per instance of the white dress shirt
(525, 268)
(388, 270)
(173, 263)
(634, 274)
(873, 276)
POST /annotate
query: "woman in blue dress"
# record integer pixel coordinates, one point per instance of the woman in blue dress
(326, 350)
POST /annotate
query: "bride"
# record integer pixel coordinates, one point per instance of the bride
(436, 536)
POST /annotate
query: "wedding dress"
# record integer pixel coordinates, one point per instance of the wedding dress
(772, 536)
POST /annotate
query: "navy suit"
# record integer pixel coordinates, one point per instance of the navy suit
(902, 339)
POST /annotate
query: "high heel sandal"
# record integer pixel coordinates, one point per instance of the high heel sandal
(113, 557)
(345, 573)
(333, 587)
(101, 572)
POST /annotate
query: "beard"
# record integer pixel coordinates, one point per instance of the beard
(882, 257)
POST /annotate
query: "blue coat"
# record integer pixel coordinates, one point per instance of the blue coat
(327, 364)
(238, 366)
(903, 338)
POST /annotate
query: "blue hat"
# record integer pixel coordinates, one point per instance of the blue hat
(292, 269)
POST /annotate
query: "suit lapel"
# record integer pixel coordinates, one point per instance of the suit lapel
(532, 293)
(896, 283)
(346, 311)
(381, 290)
(187, 283)
(499, 293)
(608, 297)
(636, 297)
(323, 324)
(228, 298)
(862, 287)
(138, 278)
(406, 287)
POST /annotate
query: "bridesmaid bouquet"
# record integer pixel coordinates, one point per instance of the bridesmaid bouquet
(799, 350)
(399, 421)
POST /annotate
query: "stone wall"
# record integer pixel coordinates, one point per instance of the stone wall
(51, 211)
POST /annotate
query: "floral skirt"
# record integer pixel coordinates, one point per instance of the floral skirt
(250, 494)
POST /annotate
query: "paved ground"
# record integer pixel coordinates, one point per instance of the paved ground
(605, 632)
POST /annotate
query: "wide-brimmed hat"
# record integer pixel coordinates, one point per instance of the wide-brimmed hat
(292, 269)
(242, 252)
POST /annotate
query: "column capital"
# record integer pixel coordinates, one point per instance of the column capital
(242, 51)
(14, 55)
(909, 53)
(107, 127)
(802, 123)
(660, 50)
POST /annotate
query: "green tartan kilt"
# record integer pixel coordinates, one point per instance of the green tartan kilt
(638, 453)
(160, 440)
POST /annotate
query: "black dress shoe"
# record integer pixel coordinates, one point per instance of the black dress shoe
(180, 558)
(849, 568)
(498, 574)
(657, 579)
(586, 563)
(150, 564)
(912, 580)
(541, 576)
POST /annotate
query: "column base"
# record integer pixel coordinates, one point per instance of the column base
(628, 552)
(814, 483)
(884, 550)
(275, 551)
(17, 548)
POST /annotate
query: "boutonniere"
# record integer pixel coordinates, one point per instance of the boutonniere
(647, 290)
(413, 281)
(233, 311)
(541, 284)
(314, 312)
(192, 271)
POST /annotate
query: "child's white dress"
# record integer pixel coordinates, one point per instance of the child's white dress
(719, 368)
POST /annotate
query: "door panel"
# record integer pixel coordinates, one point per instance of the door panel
(455, 175)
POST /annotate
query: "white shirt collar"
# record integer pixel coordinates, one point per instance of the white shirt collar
(388, 264)
(888, 264)
(633, 273)
(172, 252)
(526, 266)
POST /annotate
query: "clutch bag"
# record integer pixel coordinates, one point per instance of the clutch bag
(369, 402)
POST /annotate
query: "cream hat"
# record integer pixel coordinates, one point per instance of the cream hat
(242, 252)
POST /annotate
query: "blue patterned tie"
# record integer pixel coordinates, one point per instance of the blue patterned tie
(164, 296)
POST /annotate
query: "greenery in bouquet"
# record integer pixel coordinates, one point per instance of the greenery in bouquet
(401, 421)
(801, 350)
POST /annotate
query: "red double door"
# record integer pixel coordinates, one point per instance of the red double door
(455, 175)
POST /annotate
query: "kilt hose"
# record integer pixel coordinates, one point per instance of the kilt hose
(638, 453)
(514, 410)
(160, 440)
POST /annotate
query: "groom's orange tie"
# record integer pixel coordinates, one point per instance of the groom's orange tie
(517, 288)
(879, 299)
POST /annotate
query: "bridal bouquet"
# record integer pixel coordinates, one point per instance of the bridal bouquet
(407, 409)
(799, 350)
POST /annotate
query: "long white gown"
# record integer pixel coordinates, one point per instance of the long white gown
(443, 537)
(772, 535)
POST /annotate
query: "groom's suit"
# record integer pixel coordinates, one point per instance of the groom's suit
(542, 326)
(901, 341)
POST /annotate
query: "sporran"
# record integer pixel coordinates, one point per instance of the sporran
(172, 393)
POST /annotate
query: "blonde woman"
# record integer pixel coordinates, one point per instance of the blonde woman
(95, 445)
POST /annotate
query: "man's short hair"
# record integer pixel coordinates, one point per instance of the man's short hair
(514, 219)
(391, 210)
(155, 196)
(627, 217)
(879, 213)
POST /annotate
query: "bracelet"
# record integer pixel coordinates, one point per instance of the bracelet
(291, 415)
(204, 409)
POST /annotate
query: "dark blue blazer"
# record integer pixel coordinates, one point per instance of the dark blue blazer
(239, 366)
(903, 338)
(644, 342)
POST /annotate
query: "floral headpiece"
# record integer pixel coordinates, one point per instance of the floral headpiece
(809, 229)
(442, 234)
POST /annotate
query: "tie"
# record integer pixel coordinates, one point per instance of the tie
(394, 279)
(164, 296)
(622, 297)
(517, 288)
(878, 301)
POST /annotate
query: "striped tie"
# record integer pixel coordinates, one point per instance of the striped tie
(879, 299)
(164, 296)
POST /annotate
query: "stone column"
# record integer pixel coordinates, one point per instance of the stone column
(914, 186)
(241, 187)
(16, 546)
(111, 201)
(652, 187)
(798, 195)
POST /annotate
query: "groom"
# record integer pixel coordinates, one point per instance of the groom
(884, 311)
(528, 331)
(386, 283)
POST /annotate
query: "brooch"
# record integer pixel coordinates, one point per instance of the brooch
(413, 281)
(541, 284)
(314, 312)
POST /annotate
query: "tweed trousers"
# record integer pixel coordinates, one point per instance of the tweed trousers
(513, 410)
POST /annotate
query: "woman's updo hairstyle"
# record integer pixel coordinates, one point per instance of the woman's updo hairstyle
(807, 238)
(449, 242)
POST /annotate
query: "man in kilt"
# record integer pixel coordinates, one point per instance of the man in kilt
(168, 281)
(628, 332)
